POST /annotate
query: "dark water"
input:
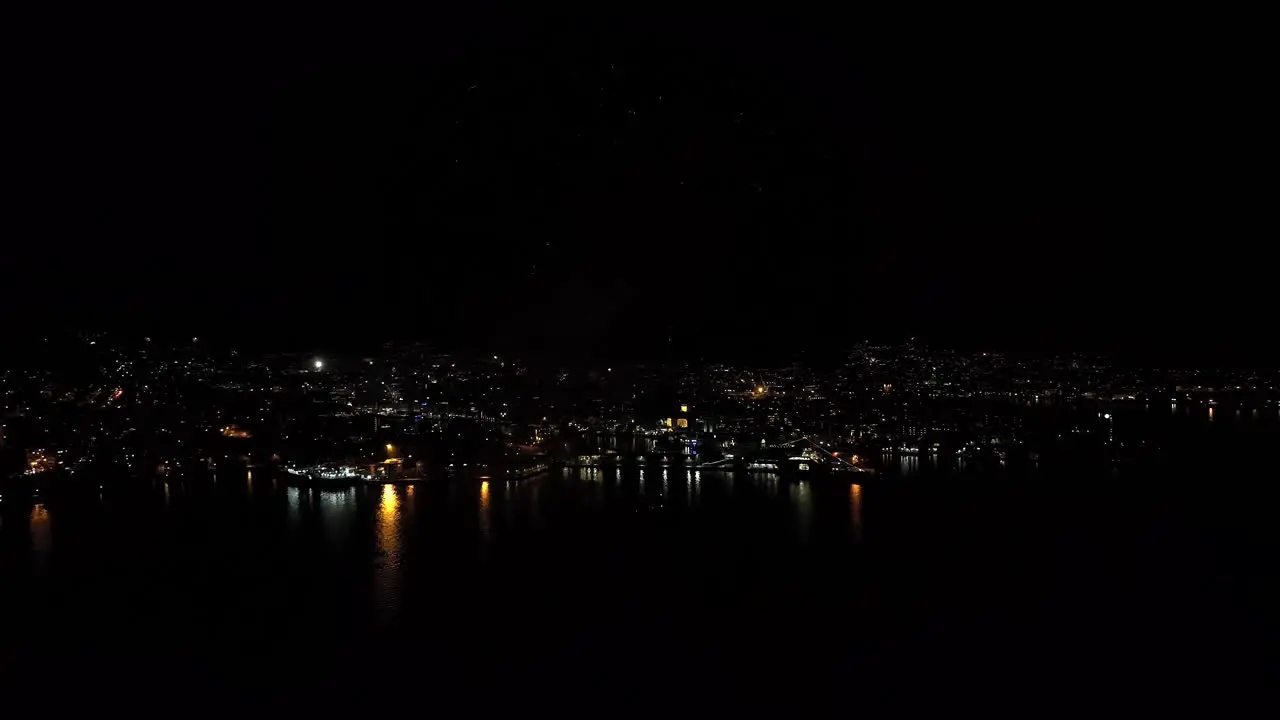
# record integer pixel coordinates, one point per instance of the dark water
(667, 592)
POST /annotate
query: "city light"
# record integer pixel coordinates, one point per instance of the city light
(823, 423)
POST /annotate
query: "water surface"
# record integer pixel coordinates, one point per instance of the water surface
(655, 589)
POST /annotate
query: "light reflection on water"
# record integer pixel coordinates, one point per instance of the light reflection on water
(521, 502)
(388, 568)
(909, 464)
(335, 507)
(294, 501)
(855, 510)
(804, 508)
(379, 525)
(41, 533)
(408, 566)
(486, 515)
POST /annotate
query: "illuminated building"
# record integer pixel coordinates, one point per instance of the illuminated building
(683, 420)
(232, 431)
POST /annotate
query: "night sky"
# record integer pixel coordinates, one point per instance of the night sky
(1036, 182)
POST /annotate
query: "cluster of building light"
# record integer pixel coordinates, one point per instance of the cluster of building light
(331, 472)
(40, 460)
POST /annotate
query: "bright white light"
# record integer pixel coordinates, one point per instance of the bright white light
(319, 364)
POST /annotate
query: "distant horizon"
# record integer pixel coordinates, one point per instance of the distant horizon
(682, 348)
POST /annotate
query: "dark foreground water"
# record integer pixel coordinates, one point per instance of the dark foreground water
(668, 593)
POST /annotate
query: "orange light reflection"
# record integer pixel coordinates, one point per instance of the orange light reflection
(855, 506)
(486, 517)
